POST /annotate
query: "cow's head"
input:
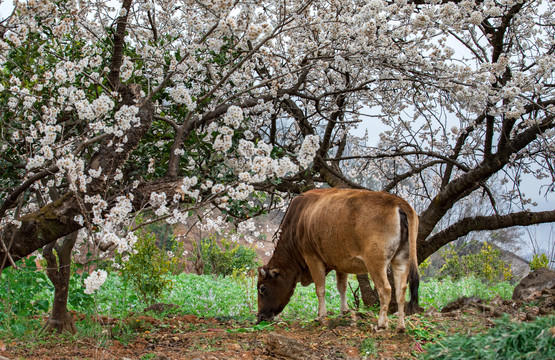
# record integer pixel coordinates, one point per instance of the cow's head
(275, 288)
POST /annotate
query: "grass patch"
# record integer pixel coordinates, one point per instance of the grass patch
(230, 297)
(440, 292)
(507, 340)
(422, 328)
(368, 347)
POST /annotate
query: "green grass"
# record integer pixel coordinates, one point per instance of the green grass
(235, 297)
(507, 340)
(209, 296)
(438, 293)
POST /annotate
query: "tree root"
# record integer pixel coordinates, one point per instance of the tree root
(66, 325)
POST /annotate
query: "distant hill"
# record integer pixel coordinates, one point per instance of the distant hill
(519, 266)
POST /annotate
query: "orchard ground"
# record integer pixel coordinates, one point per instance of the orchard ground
(189, 337)
(213, 318)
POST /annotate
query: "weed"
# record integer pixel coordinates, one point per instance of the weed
(209, 344)
(89, 327)
(368, 347)
(539, 261)
(148, 356)
(263, 326)
(247, 285)
(423, 329)
(124, 332)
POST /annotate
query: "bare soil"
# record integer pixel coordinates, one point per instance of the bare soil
(351, 337)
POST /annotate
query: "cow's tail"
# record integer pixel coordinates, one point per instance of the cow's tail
(409, 231)
(414, 283)
(414, 276)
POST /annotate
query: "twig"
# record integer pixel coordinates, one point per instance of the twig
(8, 255)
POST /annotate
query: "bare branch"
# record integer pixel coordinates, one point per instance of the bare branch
(481, 223)
(119, 39)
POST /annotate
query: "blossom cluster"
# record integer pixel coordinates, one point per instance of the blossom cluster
(241, 192)
(181, 95)
(158, 202)
(308, 150)
(124, 119)
(233, 116)
(123, 244)
(59, 97)
(95, 280)
(254, 31)
(74, 169)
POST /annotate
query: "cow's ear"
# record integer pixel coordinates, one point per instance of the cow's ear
(274, 273)
(262, 271)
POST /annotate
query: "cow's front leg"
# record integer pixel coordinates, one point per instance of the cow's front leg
(318, 273)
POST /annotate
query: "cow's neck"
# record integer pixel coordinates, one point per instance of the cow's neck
(287, 257)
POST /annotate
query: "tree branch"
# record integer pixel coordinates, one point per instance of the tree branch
(119, 39)
(481, 223)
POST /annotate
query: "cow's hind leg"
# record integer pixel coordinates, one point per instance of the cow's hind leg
(318, 274)
(342, 288)
(400, 273)
(378, 273)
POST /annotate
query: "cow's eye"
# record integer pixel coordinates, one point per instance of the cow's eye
(262, 290)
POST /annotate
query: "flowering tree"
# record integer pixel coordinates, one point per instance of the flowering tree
(174, 105)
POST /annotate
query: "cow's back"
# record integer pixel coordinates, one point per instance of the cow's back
(340, 225)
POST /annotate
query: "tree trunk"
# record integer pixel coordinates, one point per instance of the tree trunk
(369, 295)
(59, 272)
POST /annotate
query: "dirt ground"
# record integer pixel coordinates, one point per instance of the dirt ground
(352, 337)
(190, 337)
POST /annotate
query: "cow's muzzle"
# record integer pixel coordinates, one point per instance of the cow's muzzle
(263, 317)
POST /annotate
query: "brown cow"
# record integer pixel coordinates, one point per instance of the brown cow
(351, 232)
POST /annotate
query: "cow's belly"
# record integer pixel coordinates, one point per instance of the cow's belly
(353, 265)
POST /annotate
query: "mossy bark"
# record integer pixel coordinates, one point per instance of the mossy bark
(40, 228)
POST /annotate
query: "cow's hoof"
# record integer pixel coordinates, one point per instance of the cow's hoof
(347, 313)
(350, 315)
(401, 329)
(323, 321)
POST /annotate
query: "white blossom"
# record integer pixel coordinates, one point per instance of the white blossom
(95, 280)
(308, 150)
(181, 95)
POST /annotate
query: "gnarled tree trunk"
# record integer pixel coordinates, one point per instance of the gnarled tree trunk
(59, 271)
(369, 295)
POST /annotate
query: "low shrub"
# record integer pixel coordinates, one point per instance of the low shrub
(18, 289)
(19, 297)
(539, 261)
(486, 264)
(148, 267)
(225, 258)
